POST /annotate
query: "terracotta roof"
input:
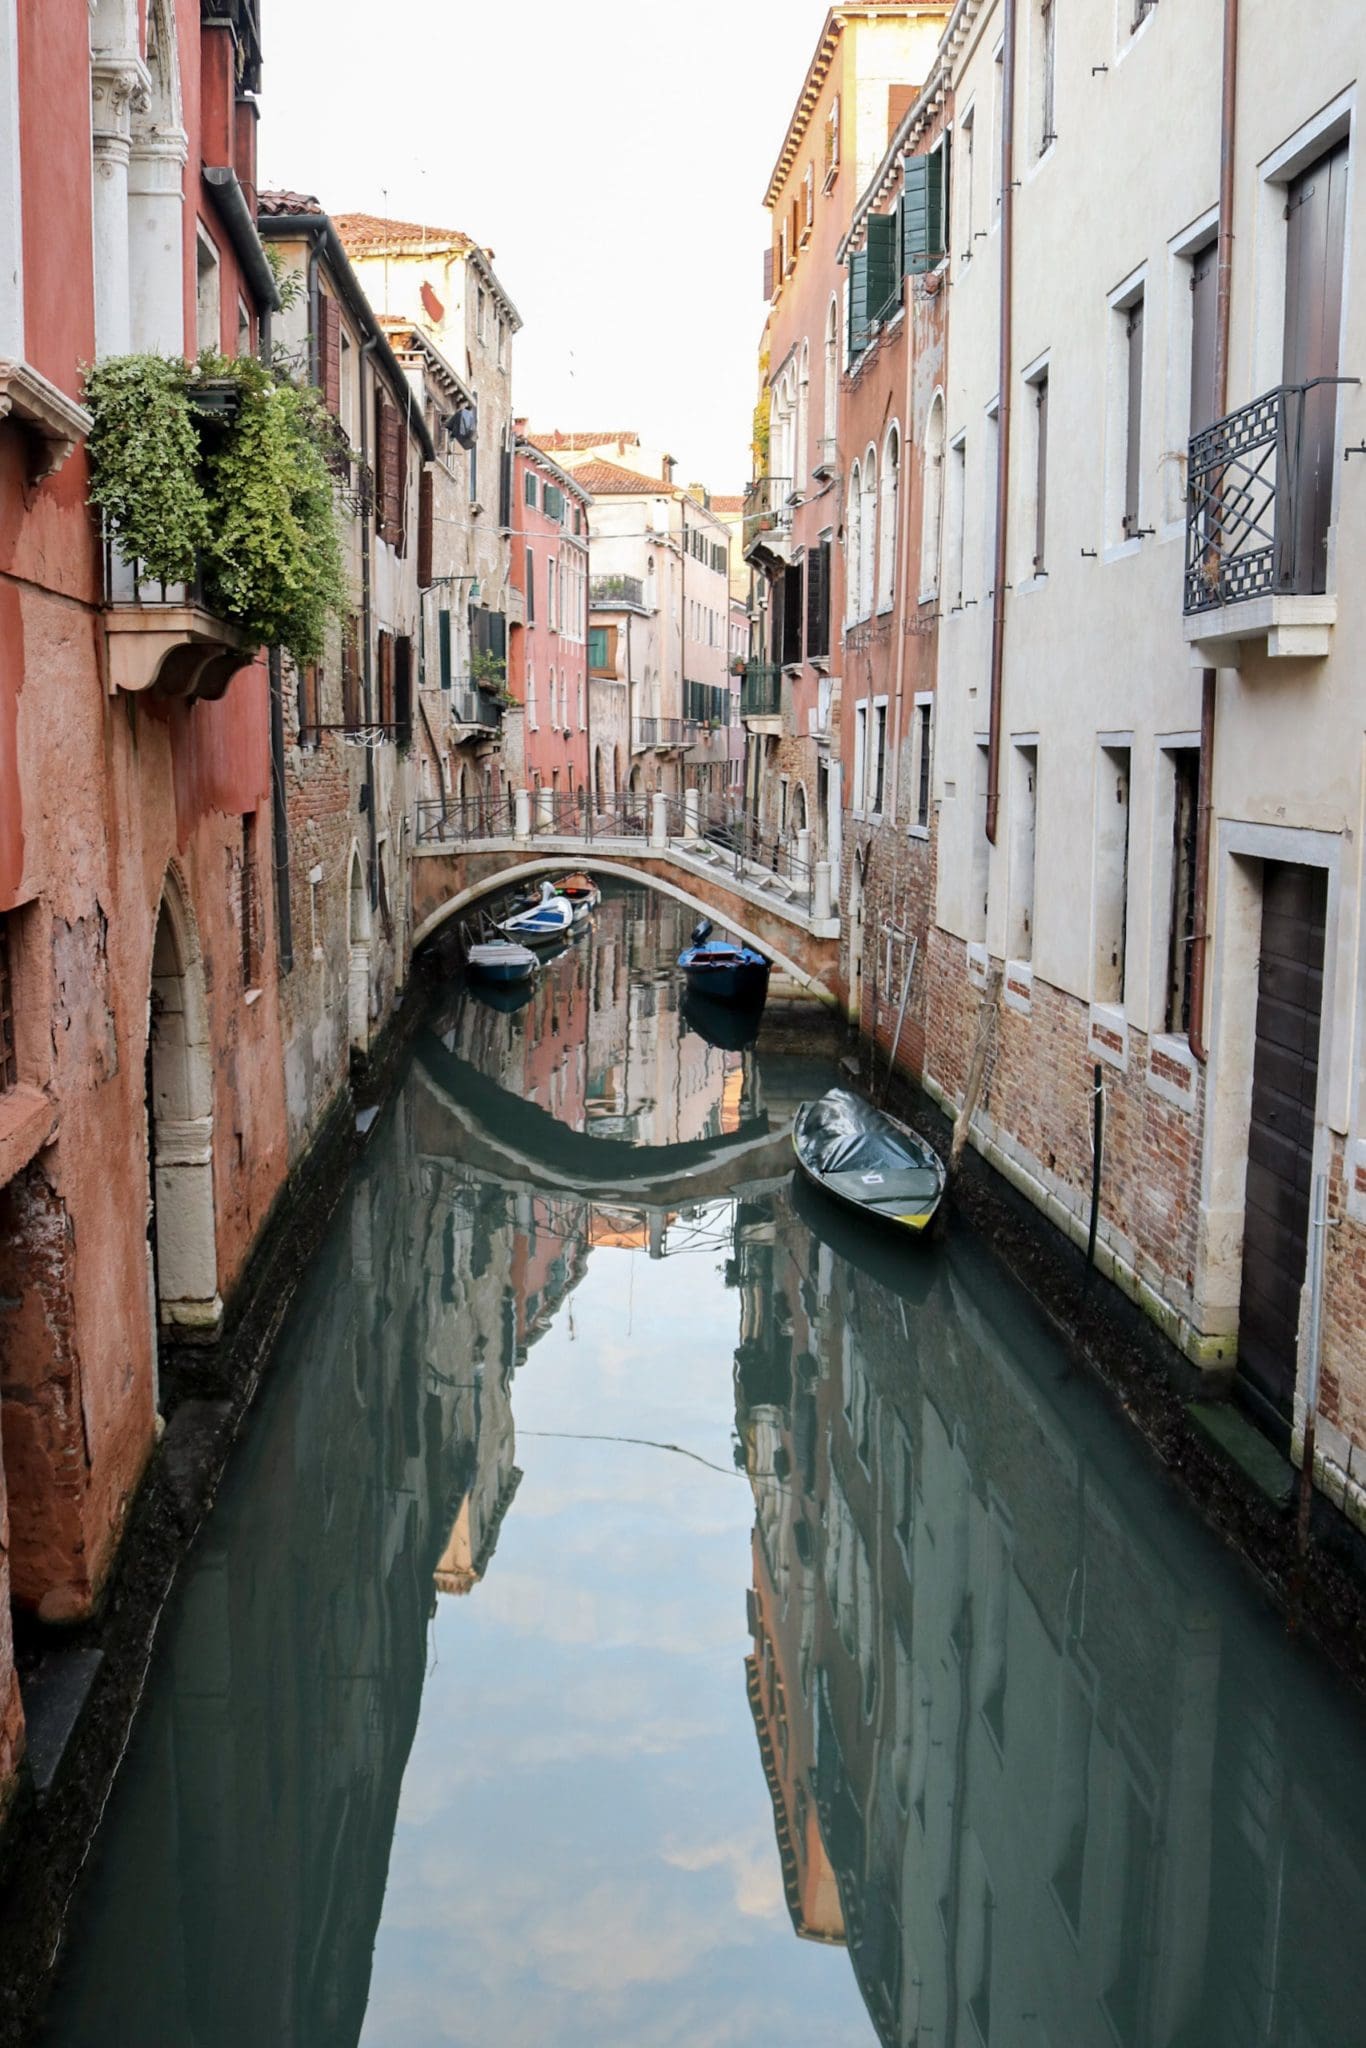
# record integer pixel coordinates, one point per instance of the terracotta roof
(371, 231)
(605, 479)
(722, 504)
(274, 203)
(619, 437)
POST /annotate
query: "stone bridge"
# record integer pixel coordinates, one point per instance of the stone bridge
(786, 912)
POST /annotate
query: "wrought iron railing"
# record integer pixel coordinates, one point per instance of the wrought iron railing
(765, 506)
(662, 732)
(616, 590)
(126, 581)
(442, 819)
(1258, 500)
(761, 692)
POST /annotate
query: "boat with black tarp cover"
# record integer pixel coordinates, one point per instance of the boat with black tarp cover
(868, 1160)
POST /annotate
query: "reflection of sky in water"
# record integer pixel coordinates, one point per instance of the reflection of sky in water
(584, 1850)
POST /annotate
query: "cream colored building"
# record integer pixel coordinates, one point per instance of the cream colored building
(1085, 899)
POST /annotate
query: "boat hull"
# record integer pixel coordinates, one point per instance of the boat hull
(902, 1192)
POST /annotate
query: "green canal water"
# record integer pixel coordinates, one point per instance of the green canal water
(646, 1610)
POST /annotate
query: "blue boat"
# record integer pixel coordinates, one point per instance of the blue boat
(502, 962)
(543, 923)
(724, 970)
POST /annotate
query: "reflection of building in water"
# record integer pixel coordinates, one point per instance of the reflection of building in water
(1065, 1799)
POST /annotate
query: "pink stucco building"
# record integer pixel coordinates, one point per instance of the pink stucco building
(547, 671)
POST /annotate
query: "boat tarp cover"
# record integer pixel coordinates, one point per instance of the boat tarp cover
(844, 1140)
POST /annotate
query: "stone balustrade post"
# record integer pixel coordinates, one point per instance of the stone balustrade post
(821, 902)
(659, 821)
(521, 828)
(691, 811)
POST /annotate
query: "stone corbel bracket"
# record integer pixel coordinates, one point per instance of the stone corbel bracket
(55, 422)
(173, 651)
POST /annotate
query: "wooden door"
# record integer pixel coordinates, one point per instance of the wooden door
(1281, 1134)
(1316, 218)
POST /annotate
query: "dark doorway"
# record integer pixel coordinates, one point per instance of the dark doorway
(1280, 1146)
(1316, 218)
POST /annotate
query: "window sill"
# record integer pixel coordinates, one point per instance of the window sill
(1121, 550)
(28, 1119)
(1017, 987)
(1030, 584)
(1107, 1035)
(1172, 1070)
(918, 832)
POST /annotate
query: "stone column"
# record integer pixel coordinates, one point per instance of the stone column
(820, 891)
(804, 853)
(156, 175)
(691, 808)
(545, 809)
(659, 821)
(118, 84)
(522, 822)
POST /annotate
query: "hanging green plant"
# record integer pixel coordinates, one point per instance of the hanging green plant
(217, 469)
(144, 462)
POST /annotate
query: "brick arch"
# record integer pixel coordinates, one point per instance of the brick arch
(180, 1118)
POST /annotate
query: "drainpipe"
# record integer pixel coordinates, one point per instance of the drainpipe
(1003, 410)
(367, 514)
(1210, 677)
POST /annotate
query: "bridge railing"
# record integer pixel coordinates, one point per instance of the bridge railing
(443, 821)
(749, 849)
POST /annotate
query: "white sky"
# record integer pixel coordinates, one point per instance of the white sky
(614, 157)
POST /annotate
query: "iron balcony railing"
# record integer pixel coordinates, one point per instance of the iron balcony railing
(608, 591)
(765, 506)
(761, 692)
(1259, 498)
(662, 732)
(472, 706)
(126, 582)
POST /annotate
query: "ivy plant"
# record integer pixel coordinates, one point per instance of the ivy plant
(243, 497)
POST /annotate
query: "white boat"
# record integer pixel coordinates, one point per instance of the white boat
(502, 961)
(544, 922)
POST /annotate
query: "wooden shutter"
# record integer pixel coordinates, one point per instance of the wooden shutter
(1204, 278)
(443, 634)
(390, 473)
(1134, 441)
(917, 252)
(768, 271)
(403, 688)
(381, 459)
(498, 635)
(883, 274)
(351, 690)
(530, 587)
(426, 519)
(859, 326)
(386, 679)
(505, 488)
(329, 351)
(792, 612)
(818, 600)
(1041, 476)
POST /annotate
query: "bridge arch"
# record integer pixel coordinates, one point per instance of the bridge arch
(618, 870)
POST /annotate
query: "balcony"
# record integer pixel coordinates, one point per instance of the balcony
(1259, 492)
(617, 593)
(161, 637)
(475, 709)
(663, 735)
(767, 518)
(761, 692)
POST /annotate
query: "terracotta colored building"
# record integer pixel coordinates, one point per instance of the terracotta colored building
(142, 1127)
(548, 648)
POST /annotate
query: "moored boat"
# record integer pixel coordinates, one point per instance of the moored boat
(501, 961)
(723, 970)
(541, 924)
(580, 889)
(868, 1161)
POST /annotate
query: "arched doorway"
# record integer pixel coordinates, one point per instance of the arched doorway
(182, 1239)
(358, 940)
(800, 818)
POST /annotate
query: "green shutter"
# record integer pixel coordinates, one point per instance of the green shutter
(884, 272)
(443, 622)
(860, 325)
(597, 647)
(529, 487)
(922, 235)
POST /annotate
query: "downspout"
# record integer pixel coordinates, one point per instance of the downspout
(1223, 306)
(279, 814)
(367, 514)
(1003, 411)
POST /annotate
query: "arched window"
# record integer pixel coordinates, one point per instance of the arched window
(867, 556)
(887, 518)
(831, 390)
(853, 526)
(932, 513)
(799, 474)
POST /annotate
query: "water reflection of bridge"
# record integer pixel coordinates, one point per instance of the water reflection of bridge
(1027, 1747)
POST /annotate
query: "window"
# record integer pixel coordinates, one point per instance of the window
(309, 702)
(551, 596)
(530, 490)
(1142, 9)
(443, 639)
(832, 143)
(597, 650)
(1045, 26)
(803, 418)
(502, 341)
(581, 717)
(830, 393)
(852, 545)
(384, 661)
(860, 754)
(932, 506)
(808, 200)
(208, 315)
(352, 696)
(879, 777)
(1185, 772)
(958, 512)
(1203, 277)
(818, 602)
(480, 311)
(9, 1054)
(531, 718)
(1039, 385)
(998, 100)
(887, 520)
(981, 852)
(474, 473)
(1024, 800)
(922, 763)
(967, 128)
(530, 587)
(867, 535)
(1111, 886)
(1132, 317)
(792, 595)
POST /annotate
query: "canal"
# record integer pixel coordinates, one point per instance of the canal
(644, 1609)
